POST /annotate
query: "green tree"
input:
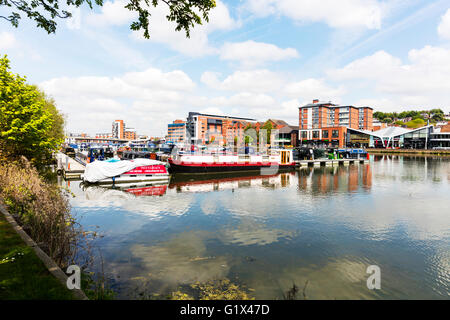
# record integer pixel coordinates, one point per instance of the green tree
(250, 134)
(268, 127)
(248, 140)
(436, 111)
(438, 117)
(27, 123)
(59, 121)
(185, 13)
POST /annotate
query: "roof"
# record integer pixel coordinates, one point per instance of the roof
(319, 104)
(389, 132)
(331, 105)
(446, 128)
(288, 129)
(218, 116)
(279, 122)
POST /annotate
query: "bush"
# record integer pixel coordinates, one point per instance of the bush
(41, 209)
(417, 123)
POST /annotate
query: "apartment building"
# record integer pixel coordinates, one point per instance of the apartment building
(103, 135)
(206, 128)
(120, 131)
(176, 131)
(130, 135)
(318, 115)
(326, 123)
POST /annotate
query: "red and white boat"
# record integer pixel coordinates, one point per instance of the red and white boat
(216, 163)
(126, 171)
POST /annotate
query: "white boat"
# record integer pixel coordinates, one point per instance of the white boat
(125, 171)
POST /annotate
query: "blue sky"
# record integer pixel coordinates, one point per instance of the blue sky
(256, 58)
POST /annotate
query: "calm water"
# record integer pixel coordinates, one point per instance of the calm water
(321, 225)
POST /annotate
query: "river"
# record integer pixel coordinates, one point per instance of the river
(319, 228)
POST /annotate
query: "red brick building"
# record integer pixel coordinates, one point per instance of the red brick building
(326, 123)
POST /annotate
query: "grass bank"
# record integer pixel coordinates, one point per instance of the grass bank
(42, 209)
(22, 274)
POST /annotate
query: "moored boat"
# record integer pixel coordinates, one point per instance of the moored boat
(125, 171)
(216, 163)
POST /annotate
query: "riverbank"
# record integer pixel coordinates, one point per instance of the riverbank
(410, 152)
(37, 236)
(22, 274)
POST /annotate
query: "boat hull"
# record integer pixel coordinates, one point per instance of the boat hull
(181, 168)
(151, 173)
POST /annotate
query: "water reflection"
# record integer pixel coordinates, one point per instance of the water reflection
(323, 225)
(337, 179)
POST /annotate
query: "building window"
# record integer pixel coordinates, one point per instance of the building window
(316, 134)
(335, 134)
(304, 134)
(325, 134)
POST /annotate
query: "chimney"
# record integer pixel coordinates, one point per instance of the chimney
(315, 101)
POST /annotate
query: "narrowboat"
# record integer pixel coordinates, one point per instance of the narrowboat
(193, 163)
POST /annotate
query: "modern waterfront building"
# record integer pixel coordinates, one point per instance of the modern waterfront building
(391, 137)
(318, 115)
(331, 136)
(326, 124)
(440, 137)
(176, 131)
(206, 128)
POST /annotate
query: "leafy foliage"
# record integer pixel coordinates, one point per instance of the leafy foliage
(40, 208)
(268, 127)
(389, 117)
(185, 13)
(30, 124)
(417, 123)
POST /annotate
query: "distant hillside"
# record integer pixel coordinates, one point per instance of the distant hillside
(412, 119)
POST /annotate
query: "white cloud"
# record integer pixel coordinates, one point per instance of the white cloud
(112, 13)
(146, 100)
(220, 18)
(286, 110)
(337, 14)
(7, 40)
(253, 81)
(423, 81)
(146, 84)
(212, 110)
(155, 78)
(310, 89)
(163, 31)
(444, 26)
(74, 23)
(251, 53)
(244, 100)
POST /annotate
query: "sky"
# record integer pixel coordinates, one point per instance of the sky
(255, 58)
